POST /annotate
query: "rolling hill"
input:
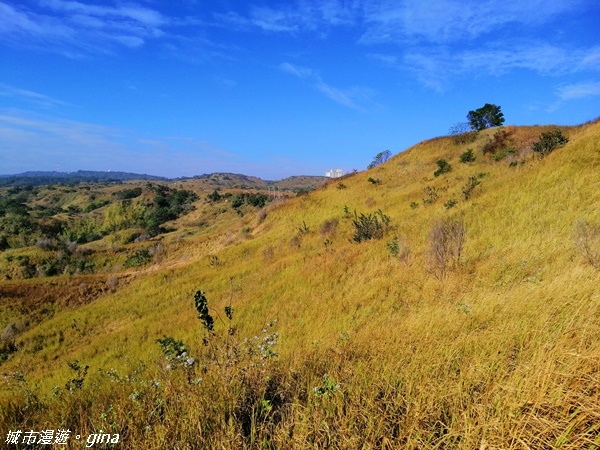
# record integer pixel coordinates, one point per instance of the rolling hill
(447, 298)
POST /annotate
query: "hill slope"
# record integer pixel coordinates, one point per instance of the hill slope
(469, 320)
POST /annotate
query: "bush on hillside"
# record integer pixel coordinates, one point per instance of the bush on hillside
(549, 142)
(500, 141)
(467, 156)
(370, 226)
(443, 167)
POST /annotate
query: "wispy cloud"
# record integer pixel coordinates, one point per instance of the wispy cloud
(444, 21)
(76, 29)
(306, 15)
(436, 67)
(400, 21)
(579, 90)
(355, 98)
(29, 97)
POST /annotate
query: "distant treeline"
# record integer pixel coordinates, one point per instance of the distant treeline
(71, 178)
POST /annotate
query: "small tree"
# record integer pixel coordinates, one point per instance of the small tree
(380, 158)
(462, 133)
(487, 116)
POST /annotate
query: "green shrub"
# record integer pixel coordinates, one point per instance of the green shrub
(139, 258)
(128, 193)
(451, 203)
(443, 167)
(371, 226)
(467, 156)
(549, 142)
(256, 200)
(503, 153)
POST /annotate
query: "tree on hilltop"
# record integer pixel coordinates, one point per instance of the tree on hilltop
(487, 116)
(380, 158)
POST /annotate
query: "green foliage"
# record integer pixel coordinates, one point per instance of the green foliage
(327, 387)
(229, 312)
(96, 204)
(341, 186)
(82, 230)
(214, 196)
(467, 156)
(76, 383)
(128, 194)
(256, 200)
(370, 226)
(487, 116)
(380, 158)
(140, 258)
(122, 215)
(168, 204)
(398, 248)
(550, 141)
(443, 167)
(201, 303)
(451, 203)
(375, 181)
(176, 353)
(498, 156)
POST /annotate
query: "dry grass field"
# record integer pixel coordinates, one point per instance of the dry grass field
(388, 309)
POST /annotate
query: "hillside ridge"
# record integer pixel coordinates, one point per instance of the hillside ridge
(446, 298)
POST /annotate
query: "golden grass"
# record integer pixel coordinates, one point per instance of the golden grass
(504, 352)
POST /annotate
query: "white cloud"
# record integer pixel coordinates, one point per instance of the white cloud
(29, 97)
(75, 29)
(579, 90)
(355, 98)
(436, 67)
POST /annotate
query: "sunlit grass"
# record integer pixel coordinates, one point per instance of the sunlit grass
(373, 350)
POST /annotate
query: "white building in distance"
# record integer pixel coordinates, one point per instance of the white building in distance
(334, 173)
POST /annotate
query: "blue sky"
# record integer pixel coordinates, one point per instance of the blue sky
(278, 88)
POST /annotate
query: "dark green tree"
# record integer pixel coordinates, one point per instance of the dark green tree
(487, 116)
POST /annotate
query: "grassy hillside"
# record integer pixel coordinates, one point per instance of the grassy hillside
(392, 308)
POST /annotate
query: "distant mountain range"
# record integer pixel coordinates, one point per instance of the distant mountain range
(37, 178)
(216, 180)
